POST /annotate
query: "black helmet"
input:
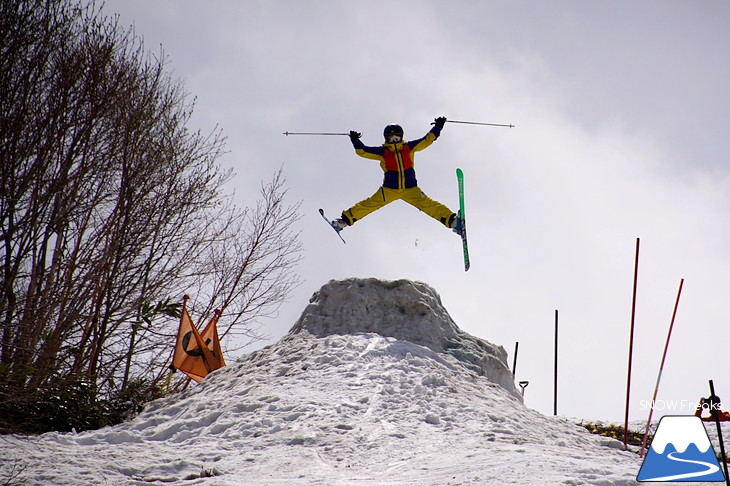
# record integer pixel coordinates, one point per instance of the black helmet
(393, 129)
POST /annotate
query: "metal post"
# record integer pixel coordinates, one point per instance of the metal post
(514, 364)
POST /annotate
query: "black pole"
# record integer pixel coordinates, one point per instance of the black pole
(716, 414)
(555, 395)
(514, 364)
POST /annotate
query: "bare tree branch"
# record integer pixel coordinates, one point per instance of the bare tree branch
(109, 202)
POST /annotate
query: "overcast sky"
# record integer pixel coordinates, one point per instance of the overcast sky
(622, 119)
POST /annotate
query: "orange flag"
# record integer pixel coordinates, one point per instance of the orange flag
(197, 354)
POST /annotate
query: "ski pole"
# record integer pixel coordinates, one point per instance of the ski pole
(478, 123)
(314, 133)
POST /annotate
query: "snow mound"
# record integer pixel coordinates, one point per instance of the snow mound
(338, 401)
(405, 310)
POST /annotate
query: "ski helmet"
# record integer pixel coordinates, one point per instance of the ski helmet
(393, 129)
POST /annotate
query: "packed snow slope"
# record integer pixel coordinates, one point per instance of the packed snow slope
(374, 385)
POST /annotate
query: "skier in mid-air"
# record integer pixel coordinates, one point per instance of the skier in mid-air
(399, 182)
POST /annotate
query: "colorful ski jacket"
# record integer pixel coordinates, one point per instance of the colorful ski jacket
(396, 159)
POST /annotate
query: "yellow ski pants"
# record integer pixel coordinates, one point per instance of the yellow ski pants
(385, 195)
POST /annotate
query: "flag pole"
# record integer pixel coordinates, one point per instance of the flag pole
(631, 345)
(661, 368)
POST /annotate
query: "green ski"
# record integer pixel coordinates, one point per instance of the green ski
(462, 214)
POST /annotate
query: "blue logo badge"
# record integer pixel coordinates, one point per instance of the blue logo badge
(680, 451)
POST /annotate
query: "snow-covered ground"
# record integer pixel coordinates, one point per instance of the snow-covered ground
(374, 384)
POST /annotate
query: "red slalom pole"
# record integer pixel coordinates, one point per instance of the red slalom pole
(661, 368)
(631, 346)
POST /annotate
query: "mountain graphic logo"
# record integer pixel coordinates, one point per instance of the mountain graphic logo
(680, 451)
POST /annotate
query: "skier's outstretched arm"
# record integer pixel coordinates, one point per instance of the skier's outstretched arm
(375, 153)
(430, 137)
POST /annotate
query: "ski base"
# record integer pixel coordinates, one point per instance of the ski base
(465, 245)
(321, 212)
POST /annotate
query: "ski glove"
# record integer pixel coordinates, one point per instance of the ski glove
(440, 121)
(355, 135)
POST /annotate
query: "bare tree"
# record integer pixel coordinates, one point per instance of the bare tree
(109, 203)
